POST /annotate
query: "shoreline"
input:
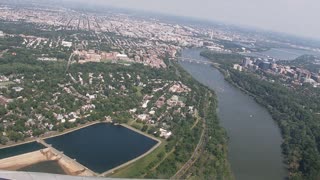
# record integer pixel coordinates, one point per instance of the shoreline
(71, 130)
(56, 134)
(159, 142)
(140, 132)
(52, 134)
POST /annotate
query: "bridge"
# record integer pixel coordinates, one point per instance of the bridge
(192, 60)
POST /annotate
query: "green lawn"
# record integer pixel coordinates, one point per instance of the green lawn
(7, 83)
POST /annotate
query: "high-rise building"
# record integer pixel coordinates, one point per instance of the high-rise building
(265, 65)
(246, 62)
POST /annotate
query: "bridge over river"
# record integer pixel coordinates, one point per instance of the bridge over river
(193, 60)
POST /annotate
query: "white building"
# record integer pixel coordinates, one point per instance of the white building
(237, 67)
(66, 43)
(164, 133)
(142, 117)
(17, 89)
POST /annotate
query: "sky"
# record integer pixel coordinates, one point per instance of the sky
(297, 17)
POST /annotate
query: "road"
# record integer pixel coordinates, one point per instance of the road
(69, 62)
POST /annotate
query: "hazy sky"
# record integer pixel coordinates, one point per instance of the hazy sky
(300, 17)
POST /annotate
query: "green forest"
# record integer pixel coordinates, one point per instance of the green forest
(308, 62)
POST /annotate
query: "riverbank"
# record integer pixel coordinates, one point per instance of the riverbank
(51, 134)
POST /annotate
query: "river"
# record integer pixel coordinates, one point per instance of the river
(255, 139)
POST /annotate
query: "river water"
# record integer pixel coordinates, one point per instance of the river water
(255, 139)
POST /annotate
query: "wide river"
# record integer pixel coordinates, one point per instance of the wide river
(254, 137)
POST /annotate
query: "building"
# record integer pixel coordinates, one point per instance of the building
(315, 77)
(273, 65)
(1, 34)
(122, 57)
(165, 133)
(302, 73)
(246, 62)
(237, 67)
(265, 65)
(17, 89)
(4, 101)
(66, 43)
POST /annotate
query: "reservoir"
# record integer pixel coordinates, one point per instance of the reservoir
(254, 137)
(20, 149)
(102, 146)
(45, 167)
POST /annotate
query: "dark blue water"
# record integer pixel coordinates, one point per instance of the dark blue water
(101, 147)
(20, 149)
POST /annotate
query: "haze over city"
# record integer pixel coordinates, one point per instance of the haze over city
(291, 16)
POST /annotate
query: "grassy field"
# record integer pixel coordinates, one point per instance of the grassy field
(139, 89)
(7, 83)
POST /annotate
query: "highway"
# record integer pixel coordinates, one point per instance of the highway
(192, 60)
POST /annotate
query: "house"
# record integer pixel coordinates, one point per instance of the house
(143, 117)
(4, 101)
(164, 133)
(160, 102)
(145, 104)
(72, 120)
(17, 89)
(66, 43)
(94, 96)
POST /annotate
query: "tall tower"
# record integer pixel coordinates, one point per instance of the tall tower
(211, 35)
